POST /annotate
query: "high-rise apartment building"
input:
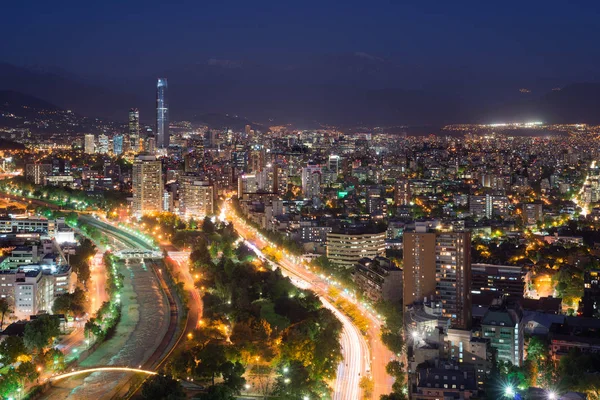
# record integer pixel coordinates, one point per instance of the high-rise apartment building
(439, 264)
(196, 198)
(453, 276)
(147, 185)
(162, 114)
(311, 181)
(89, 144)
(419, 266)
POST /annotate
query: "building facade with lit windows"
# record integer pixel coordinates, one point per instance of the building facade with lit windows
(196, 198)
(348, 245)
(147, 185)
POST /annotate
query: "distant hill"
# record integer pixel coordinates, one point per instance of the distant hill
(220, 121)
(22, 104)
(67, 93)
(345, 91)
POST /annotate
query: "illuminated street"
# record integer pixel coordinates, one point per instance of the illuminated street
(357, 359)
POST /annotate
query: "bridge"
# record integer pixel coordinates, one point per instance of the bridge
(128, 254)
(101, 369)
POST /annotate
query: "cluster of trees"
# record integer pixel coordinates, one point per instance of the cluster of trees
(105, 323)
(257, 319)
(71, 304)
(576, 371)
(109, 314)
(341, 303)
(65, 197)
(24, 357)
(396, 370)
(80, 261)
(391, 333)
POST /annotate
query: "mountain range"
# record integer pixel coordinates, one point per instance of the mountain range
(344, 91)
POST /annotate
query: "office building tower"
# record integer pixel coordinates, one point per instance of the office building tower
(162, 114)
(150, 145)
(89, 144)
(248, 129)
(147, 185)
(334, 164)
(438, 264)
(196, 198)
(103, 144)
(134, 124)
(126, 144)
(118, 144)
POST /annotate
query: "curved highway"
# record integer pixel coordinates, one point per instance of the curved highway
(356, 351)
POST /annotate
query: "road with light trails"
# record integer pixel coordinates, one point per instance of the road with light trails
(180, 260)
(356, 351)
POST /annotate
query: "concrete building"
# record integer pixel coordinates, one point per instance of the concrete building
(37, 173)
(196, 198)
(147, 185)
(507, 280)
(89, 144)
(102, 144)
(532, 213)
(378, 279)
(311, 181)
(503, 325)
(28, 224)
(439, 263)
(348, 245)
(462, 347)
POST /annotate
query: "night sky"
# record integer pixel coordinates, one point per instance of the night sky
(447, 39)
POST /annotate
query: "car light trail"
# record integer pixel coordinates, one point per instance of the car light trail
(102, 369)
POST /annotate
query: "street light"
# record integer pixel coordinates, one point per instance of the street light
(509, 391)
(552, 395)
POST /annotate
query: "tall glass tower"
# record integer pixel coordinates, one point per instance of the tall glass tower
(162, 114)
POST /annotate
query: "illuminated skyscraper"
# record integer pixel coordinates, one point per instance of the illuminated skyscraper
(102, 144)
(118, 144)
(162, 114)
(90, 146)
(134, 124)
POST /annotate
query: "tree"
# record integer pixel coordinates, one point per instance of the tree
(71, 304)
(208, 227)
(4, 309)
(367, 386)
(11, 348)
(233, 376)
(40, 331)
(162, 387)
(211, 358)
(218, 392)
(27, 372)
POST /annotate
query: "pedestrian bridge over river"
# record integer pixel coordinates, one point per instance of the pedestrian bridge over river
(128, 254)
